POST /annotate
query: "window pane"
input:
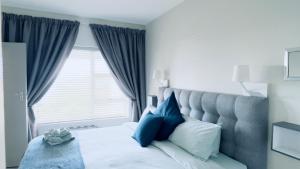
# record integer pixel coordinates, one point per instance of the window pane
(84, 89)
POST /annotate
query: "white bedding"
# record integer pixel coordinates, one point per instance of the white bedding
(113, 148)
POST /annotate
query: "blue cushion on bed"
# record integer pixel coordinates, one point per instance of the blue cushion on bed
(147, 129)
(170, 111)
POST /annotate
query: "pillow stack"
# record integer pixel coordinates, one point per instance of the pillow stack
(163, 121)
(199, 138)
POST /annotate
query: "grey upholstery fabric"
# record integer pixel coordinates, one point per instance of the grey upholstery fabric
(124, 51)
(244, 122)
(49, 43)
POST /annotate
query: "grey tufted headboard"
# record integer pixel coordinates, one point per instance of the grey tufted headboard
(244, 122)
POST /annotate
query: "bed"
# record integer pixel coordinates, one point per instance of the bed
(243, 139)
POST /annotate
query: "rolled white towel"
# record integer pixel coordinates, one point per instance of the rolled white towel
(63, 132)
(58, 136)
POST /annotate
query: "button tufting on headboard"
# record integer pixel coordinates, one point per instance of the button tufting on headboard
(244, 121)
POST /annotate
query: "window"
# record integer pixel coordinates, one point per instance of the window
(84, 89)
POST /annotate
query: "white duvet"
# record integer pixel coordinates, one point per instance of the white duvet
(113, 148)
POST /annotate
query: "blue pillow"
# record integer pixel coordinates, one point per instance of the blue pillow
(147, 129)
(170, 111)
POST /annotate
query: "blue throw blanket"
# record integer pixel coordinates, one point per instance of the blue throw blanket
(40, 155)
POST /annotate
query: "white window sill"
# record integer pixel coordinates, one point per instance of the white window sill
(105, 122)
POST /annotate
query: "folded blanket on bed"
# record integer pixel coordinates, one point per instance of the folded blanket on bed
(40, 155)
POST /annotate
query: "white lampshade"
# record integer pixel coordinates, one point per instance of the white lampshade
(156, 74)
(240, 73)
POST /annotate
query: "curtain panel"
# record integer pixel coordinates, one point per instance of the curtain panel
(49, 43)
(124, 51)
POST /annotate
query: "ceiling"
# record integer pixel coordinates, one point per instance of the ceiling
(132, 11)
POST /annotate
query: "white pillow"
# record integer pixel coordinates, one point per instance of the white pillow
(217, 143)
(202, 139)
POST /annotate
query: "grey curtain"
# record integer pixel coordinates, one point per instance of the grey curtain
(49, 42)
(124, 51)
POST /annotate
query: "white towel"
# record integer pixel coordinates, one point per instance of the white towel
(58, 136)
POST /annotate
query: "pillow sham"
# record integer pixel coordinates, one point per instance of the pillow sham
(216, 150)
(172, 117)
(202, 139)
(147, 129)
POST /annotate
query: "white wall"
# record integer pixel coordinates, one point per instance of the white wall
(200, 41)
(2, 136)
(85, 37)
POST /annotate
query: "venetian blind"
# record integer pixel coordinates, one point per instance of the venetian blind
(84, 89)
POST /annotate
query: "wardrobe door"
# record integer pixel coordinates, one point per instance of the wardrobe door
(15, 103)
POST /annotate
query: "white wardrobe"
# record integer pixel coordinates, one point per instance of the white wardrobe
(15, 103)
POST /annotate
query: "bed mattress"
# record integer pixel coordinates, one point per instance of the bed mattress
(114, 148)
